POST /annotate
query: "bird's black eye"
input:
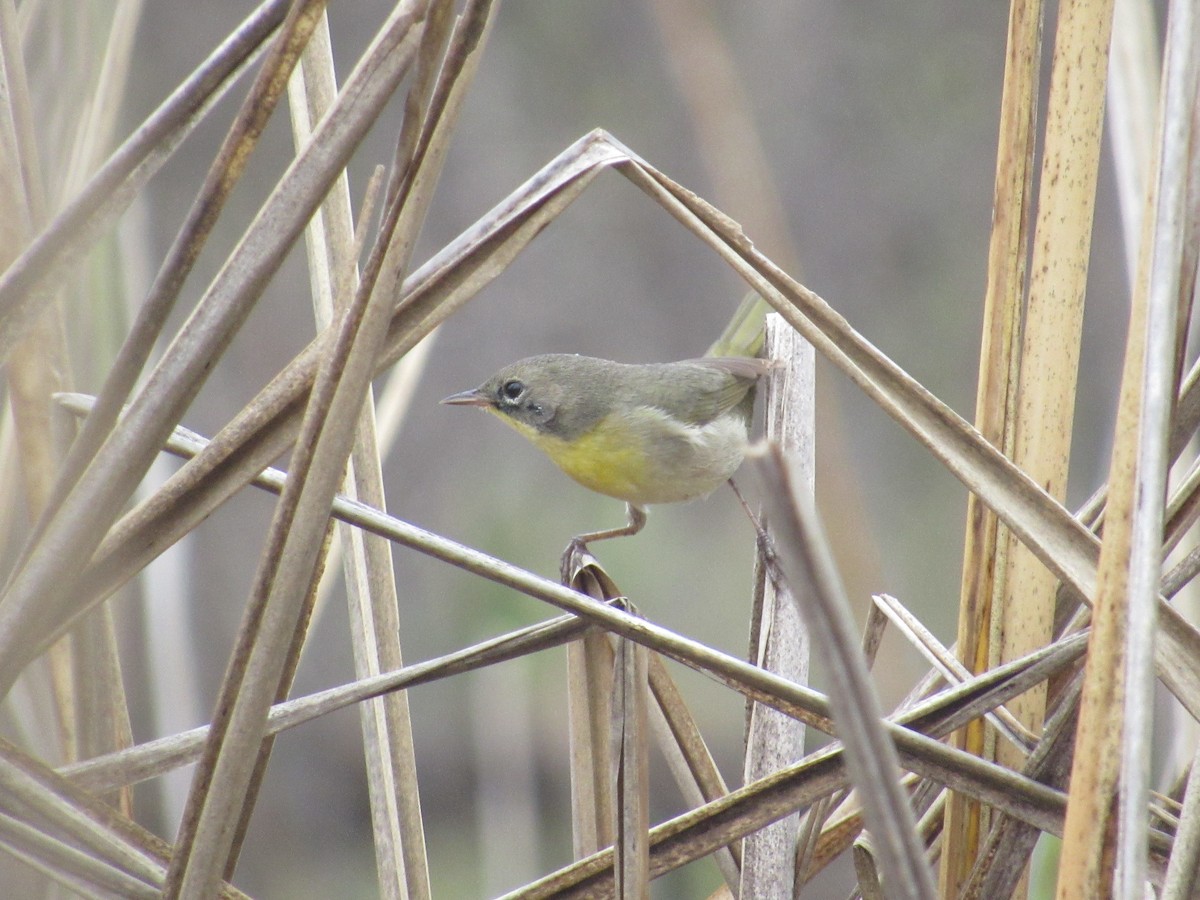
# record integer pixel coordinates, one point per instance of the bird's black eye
(511, 390)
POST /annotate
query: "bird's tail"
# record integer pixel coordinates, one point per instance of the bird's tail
(743, 336)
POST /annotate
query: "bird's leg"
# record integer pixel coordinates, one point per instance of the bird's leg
(637, 521)
(766, 547)
(574, 556)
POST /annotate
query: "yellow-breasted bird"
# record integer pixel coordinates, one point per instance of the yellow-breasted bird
(649, 433)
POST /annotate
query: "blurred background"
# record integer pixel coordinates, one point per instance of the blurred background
(872, 130)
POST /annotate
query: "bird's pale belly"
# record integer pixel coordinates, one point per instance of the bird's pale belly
(646, 458)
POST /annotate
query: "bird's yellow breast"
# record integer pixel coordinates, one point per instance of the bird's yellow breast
(643, 456)
(608, 459)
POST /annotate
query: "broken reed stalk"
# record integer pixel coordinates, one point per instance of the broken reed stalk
(775, 740)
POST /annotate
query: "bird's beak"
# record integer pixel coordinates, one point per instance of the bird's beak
(473, 397)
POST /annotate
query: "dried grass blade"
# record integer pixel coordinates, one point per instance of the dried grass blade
(632, 776)
(985, 551)
(783, 640)
(390, 757)
(688, 757)
(36, 367)
(395, 399)
(94, 130)
(958, 704)
(85, 669)
(590, 685)
(1133, 87)
(102, 708)
(333, 243)
(223, 174)
(21, 187)
(164, 754)
(1183, 869)
(417, 124)
(34, 793)
(286, 578)
(22, 179)
(73, 869)
(1113, 740)
(866, 868)
(91, 823)
(699, 832)
(816, 838)
(1008, 791)
(33, 800)
(1187, 410)
(871, 755)
(419, 172)
(834, 839)
(87, 215)
(1053, 323)
(1183, 509)
(447, 79)
(1028, 800)
(323, 304)
(266, 427)
(39, 599)
(389, 260)
(277, 618)
(812, 824)
(1038, 517)
(873, 630)
(1061, 541)
(945, 662)
(1002, 858)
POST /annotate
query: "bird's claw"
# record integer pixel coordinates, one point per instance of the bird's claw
(572, 559)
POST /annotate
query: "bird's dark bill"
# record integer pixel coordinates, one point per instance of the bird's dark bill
(473, 397)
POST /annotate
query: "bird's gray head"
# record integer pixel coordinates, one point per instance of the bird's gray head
(558, 393)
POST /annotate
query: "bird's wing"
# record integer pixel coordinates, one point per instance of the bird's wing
(705, 391)
(746, 368)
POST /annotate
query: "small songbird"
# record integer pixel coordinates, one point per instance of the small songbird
(649, 433)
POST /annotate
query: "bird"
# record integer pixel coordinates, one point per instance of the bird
(645, 433)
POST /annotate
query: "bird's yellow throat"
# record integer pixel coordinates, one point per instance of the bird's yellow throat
(608, 458)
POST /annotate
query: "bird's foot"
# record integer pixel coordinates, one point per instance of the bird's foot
(574, 558)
